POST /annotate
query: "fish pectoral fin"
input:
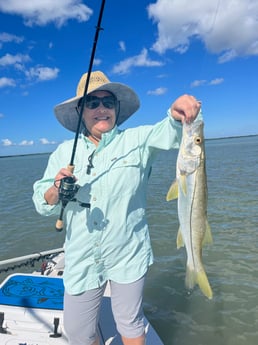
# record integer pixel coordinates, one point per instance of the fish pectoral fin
(183, 183)
(179, 239)
(204, 284)
(172, 192)
(207, 236)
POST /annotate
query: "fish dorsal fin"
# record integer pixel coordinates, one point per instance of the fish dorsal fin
(172, 192)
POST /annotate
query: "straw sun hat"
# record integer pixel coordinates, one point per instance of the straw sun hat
(66, 112)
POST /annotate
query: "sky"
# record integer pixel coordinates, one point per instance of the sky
(162, 49)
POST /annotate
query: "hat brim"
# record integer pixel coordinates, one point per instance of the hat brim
(129, 103)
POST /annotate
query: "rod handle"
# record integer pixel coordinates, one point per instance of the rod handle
(71, 168)
(59, 225)
(59, 222)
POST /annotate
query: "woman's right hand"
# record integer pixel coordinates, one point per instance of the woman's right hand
(52, 194)
(64, 172)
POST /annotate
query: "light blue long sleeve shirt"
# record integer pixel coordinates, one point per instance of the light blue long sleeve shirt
(110, 240)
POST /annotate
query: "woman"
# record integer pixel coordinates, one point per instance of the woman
(108, 240)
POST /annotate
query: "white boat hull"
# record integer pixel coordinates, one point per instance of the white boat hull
(32, 311)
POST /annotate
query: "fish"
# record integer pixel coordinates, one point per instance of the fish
(190, 190)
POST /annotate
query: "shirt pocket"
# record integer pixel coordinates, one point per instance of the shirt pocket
(124, 175)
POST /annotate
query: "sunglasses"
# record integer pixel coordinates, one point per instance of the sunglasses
(93, 102)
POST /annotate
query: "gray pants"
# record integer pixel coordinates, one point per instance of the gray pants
(81, 312)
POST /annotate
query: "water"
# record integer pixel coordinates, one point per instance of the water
(179, 316)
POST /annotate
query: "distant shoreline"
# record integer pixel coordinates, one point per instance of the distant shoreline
(48, 153)
(234, 137)
(27, 154)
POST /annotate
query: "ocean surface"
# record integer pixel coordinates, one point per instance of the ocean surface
(180, 317)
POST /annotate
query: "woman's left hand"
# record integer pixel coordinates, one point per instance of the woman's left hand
(185, 108)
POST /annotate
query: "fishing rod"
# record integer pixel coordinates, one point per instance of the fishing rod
(68, 188)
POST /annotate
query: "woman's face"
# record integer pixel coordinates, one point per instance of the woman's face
(98, 117)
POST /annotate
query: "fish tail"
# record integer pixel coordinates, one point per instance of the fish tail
(204, 284)
(200, 278)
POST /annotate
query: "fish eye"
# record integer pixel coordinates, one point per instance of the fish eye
(197, 140)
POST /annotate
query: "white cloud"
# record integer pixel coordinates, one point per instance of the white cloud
(226, 27)
(201, 82)
(38, 73)
(157, 92)
(122, 46)
(5, 37)
(7, 142)
(97, 62)
(42, 12)
(142, 60)
(45, 141)
(16, 60)
(42, 73)
(7, 82)
(197, 83)
(216, 81)
(26, 143)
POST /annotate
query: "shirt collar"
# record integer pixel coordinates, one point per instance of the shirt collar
(105, 139)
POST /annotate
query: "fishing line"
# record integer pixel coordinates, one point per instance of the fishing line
(67, 188)
(213, 22)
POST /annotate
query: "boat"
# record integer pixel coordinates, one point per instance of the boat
(31, 304)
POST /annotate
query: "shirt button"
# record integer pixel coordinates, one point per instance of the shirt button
(95, 223)
(94, 198)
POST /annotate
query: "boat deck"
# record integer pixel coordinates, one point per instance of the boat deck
(31, 312)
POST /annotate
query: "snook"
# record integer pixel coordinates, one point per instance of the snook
(190, 187)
